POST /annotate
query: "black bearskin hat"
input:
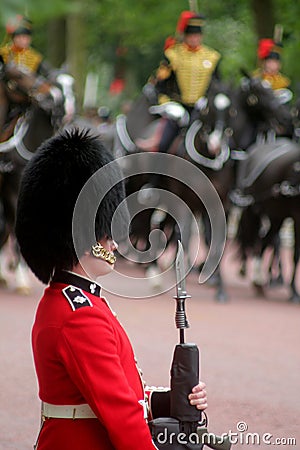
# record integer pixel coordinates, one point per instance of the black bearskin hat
(50, 188)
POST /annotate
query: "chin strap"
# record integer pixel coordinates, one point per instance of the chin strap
(100, 252)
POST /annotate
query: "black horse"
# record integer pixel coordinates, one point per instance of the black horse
(271, 183)
(251, 112)
(46, 110)
(257, 112)
(203, 142)
(267, 180)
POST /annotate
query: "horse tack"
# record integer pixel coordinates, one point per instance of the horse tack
(260, 157)
(215, 163)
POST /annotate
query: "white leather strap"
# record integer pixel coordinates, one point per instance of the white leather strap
(67, 411)
(144, 405)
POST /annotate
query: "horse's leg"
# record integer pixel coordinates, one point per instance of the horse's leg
(215, 279)
(269, 240)
(295, 296)
(22, 283)
(275, 264)
(250, 244)
(247, 237)
(3, 239)
(258, 280)
(272, 240)
(286, 239)
(157, 242)
(4, 233)
(17, 265)
(3, 281)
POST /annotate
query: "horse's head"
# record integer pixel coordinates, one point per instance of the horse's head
(215, 117)
(206, 139)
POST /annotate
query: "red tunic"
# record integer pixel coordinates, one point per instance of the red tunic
(83, 355)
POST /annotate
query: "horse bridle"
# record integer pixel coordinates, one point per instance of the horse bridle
(123, 135)
(16, 141)
(216, 163)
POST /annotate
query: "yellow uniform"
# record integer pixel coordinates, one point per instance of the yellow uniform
(277, 81)
(193, 69)
(28, 57)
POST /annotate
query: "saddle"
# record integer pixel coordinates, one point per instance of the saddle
(149, 136)
(270, 169)
(282, 152)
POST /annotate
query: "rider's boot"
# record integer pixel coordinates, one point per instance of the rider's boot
(148, 194)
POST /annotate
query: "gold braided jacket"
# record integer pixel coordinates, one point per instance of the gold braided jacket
(193, 70)
(278, 81)
(29, 58)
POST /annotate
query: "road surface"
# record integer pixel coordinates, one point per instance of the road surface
(250, 357)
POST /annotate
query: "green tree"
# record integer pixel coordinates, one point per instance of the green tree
(109, 37)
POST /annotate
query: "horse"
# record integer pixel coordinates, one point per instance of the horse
(202, 142)
(39, 109)
(271, 183)
(269, 161)
(252, 109)
(256, 112)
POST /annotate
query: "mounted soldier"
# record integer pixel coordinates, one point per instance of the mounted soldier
(182, 80)
(25, 76)
(269, 55)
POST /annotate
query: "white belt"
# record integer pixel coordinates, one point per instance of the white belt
(67, 411)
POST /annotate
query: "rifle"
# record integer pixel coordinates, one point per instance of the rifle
(186, 428)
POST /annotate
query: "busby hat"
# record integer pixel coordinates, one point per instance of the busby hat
(190, 22)
(194, 25)
(19, 25)
(268, 49)
(51, 188)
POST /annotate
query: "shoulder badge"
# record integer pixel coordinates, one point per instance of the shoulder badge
(76, 297)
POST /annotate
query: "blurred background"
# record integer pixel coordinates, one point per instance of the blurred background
(111, 47)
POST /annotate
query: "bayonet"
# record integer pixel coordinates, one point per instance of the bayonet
(180, 273)
(181, 294)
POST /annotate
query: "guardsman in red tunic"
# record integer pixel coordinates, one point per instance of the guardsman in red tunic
(91, 390)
